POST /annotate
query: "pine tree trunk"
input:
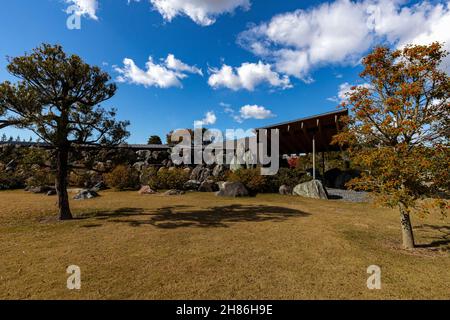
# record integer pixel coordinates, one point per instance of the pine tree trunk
(407, 231)
(61, 184)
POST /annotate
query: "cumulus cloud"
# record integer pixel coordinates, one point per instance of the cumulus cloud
(344, 89)
(255, 112)
(166, 74)
(209, 119)
(85, 7)
(248, 76)
(247, 112)
(202, 12)
(177, 65)
(341, 32)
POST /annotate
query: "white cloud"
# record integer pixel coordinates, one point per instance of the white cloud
(209, 119)
(341, 32)
(202, 12)
(248, 76)
(85, 8)
(166, 74)
(344, 89)
(177, 65)
(255, 112)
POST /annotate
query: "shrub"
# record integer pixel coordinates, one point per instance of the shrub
(257, 183)
(147, 175)
(9, 181)
(169, 179)
(84, 178)
(123, 178)
(39, 177)
(252, 180)
(289, 177)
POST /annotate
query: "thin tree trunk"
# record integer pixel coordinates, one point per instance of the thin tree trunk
(407, 231)
(61, 184)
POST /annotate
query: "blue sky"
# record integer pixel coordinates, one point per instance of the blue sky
(261, 61)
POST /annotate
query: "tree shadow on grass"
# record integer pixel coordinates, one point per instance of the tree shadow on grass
(441, 241)
(185, 216)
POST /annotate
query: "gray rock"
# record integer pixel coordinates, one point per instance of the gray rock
(40, 189)
(208, 186)
(312, 189)
(143, 155)
(99, 187)
(285, 190)
(220, 184)
(11, 166)
(85, 195)
(139, 166)
(191, 185)
(51, 192)
(196, 172)
(205, 175)
(174, 192)
(232, 189)
(218, 170)
(169, 164)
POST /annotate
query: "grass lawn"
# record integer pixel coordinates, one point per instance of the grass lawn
(202, 247)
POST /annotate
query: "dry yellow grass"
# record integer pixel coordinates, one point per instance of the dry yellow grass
(198, 246)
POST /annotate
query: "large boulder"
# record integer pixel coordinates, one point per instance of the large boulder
(174, 192)
(330, 177)
(143, 155)
(205, 175)
(40, 189)
(85, 195)
(99, 187)
(196, 172)
(139, 166)
(312, 189)
(218, 170)
(208, 186)
(345, 177)
(200, 173)
(232, 189)
(145, 190)
(285, 190)
(191, 185)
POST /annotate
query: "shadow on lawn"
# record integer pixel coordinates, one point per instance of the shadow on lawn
(184, 216)
(442, 241)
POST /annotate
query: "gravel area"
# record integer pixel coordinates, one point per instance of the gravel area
(348, 195)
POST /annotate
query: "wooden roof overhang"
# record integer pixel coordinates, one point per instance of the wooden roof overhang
(297, 136)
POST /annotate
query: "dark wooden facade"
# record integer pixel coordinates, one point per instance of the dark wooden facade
(297, 136)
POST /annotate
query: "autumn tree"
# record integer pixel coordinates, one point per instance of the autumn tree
(398, 130)
(58, 96)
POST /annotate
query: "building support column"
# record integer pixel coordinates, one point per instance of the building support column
(323, 164)
(314, 157)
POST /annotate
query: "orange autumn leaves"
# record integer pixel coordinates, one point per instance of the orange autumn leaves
(398, 129)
